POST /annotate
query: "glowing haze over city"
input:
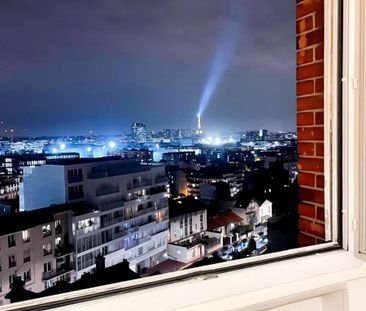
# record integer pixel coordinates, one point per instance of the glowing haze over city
(71, 67)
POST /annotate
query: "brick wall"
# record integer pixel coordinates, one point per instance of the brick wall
(310, 129)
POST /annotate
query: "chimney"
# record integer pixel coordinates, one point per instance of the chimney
(100, 263)
(126, 264)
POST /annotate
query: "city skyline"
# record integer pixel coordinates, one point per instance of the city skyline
(75, 67)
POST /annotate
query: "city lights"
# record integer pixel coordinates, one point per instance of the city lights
(112, 144)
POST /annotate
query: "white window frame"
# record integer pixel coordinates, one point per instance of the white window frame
(361, 76)
(281, 282)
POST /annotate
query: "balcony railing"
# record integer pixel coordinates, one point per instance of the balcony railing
(47, 233)
(56, 272)
(146, 211)
(86, 230)
(125, 232)
(47, 252)
(144, 240)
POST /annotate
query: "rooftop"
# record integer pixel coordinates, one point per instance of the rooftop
(25, 220)
(184, 206)
(87, 160)
(221, 220)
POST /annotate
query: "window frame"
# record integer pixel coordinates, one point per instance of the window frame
(338, 167)
(360, 75)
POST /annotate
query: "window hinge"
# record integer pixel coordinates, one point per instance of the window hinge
(354, 224)
(354, 83)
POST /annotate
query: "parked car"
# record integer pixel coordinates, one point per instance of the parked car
(238, 245)
(225, 252)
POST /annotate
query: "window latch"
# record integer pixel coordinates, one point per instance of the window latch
(354, 224)
(355, 83)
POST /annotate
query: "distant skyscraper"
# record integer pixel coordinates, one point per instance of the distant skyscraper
(199, 130)
(139, 132)
(263, 134)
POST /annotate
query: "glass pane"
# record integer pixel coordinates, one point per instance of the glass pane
(142, 139)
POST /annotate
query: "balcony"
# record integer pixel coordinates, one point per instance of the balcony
(47, 252)
(64, 250)
(125, 232)
(146, 211)
(144, 240)
(87, 229)
(56, 272)
(47, 233)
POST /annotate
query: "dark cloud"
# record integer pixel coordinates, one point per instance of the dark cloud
(68, 66)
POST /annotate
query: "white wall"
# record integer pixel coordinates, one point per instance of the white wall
(42, 186)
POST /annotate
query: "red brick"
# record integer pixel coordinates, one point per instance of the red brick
(305, 88)
(305, 118)
(319, 52)
(310, 164)
(319, 18)
(310, 102)
(308, 6)
(306, 240)
(320, 149)
(311, 195)
(319, 85)
(304, 24)
(310, 38)
(306, 210)
(320, 181)
(319, 118)
(306, 179)
(310, 71)
(310, 133)
(305, 56)
(320, 213)
(305, 149)
(312, 227)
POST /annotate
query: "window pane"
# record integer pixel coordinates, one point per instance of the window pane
(160, 138)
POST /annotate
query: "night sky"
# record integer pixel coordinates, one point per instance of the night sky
(67, 67)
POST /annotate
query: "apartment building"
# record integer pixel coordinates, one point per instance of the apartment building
(37, 247)
(211, 174)
(189, 239)
(123, 210)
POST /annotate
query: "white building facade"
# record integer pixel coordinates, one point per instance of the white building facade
(127, 208)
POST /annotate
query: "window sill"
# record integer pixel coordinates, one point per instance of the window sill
(255, 288)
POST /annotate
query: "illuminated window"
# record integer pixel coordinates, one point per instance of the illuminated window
(25, 236)
(46, 230)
